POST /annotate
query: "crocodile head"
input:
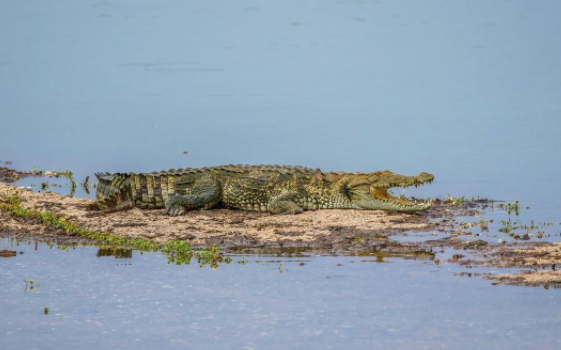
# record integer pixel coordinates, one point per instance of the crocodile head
(370, 190)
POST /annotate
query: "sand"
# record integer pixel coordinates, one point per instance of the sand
(334, 232)
(322, 228)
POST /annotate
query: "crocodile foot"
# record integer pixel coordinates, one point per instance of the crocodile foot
(174, 207)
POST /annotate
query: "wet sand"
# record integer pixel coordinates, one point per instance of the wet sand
(322, 229)
(341, 232)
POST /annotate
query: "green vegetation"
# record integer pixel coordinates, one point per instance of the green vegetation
(180, 252)
(177, 252)
(30, 285)
(507, 227)
(451, 200)
(209, 257)
(86, 184)
(70, 176)
(513, 207)
(516, 229)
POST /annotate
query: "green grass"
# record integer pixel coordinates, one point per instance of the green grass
(177, 252)
(455, 201)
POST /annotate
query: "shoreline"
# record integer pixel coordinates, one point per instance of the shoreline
(322, 232)
(224, 227)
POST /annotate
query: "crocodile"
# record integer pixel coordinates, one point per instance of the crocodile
(264, 188)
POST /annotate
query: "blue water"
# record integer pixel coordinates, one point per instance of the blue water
(466, 90)
(268, 303)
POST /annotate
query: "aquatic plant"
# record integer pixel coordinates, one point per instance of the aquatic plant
(30, 285)
(209, 257)
(86, 184)
(513, 207)
(456, 201)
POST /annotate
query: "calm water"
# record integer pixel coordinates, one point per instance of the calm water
(466, 90)
(268, 303)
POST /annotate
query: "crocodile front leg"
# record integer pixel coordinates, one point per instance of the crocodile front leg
(283, 205)
(204, 194)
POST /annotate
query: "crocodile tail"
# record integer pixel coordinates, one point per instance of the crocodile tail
(113, 191)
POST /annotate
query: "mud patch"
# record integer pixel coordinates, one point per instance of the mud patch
(9, 175)
(538, 263)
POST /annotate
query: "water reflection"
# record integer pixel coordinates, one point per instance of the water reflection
(215, 257)
(116, 253)
(5, 253)
(318, 303)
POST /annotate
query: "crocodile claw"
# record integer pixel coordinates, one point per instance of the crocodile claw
(174, 208)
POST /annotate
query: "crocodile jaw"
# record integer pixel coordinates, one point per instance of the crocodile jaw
(381, 199)
(391, 203)
(375, 195)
